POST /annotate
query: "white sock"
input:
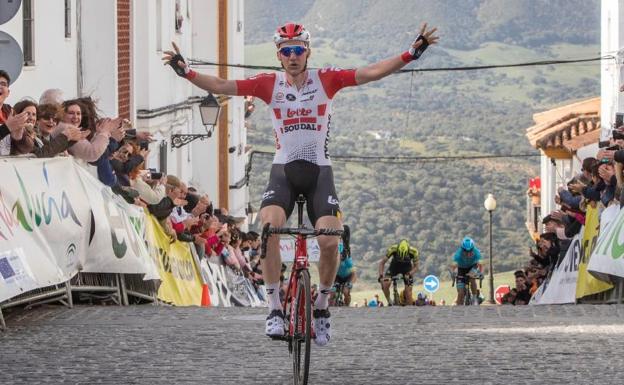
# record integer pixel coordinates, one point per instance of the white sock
(322, 300)
(273, 290)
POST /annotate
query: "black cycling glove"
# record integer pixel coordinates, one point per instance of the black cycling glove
(416, 52)
(180, 71)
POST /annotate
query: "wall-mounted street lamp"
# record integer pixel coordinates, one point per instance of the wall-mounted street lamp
(209, 110)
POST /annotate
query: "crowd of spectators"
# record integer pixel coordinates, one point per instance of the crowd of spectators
(598, 185)
(117, 153)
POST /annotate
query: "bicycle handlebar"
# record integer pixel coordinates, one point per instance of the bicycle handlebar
(267, 230)
(303, 231)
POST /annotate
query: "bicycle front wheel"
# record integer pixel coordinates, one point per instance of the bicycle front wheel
(302, 335)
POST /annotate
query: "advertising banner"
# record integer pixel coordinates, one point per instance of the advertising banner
(44, 223)
(561, 287)
(588, 284)
(117, 235)
(287, 248)
(181, 283)
(608, 256)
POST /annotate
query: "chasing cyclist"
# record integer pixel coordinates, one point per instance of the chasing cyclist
(300, 103)
(405, 262)
(345, 277)
(467, 267)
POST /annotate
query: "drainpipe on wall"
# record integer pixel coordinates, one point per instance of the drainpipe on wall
(79, 77)
(224, 175)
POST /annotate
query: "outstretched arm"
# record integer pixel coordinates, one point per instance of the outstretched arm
(210, 83)
(385, 67)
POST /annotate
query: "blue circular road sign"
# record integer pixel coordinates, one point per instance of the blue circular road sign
(431, 283)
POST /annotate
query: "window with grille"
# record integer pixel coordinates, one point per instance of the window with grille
(68, 29)
(29, 33)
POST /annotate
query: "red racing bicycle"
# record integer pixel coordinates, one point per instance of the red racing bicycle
(297, 303)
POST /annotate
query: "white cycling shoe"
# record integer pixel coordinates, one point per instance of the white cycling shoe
(275, 324)
(321, 326)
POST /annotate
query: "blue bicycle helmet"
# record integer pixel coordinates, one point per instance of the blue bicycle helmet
(467, 244)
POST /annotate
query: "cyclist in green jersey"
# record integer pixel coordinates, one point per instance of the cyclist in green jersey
(404, 260)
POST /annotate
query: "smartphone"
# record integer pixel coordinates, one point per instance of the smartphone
(619, 119)
(143, 145)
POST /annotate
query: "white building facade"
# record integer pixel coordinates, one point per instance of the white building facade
(612, 71)
(112, 50)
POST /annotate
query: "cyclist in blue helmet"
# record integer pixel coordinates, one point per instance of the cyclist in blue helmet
(467, 264)
(345, 276)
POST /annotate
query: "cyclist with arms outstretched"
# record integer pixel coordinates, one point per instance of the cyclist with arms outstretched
(300, 101)
(403, 261)
(467, 266)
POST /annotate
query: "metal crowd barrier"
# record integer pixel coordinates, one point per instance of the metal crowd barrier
(133, 285)
(97, 286)
(118, 288)
(55, 293)
(611, 296)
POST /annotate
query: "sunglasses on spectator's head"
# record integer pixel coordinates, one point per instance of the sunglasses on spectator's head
(49, 117)
(297, 49)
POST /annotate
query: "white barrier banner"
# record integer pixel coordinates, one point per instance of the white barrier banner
(287, 248)
(561, 287)
(226, 288)
(44, 223)
(607, 216)
(116, 241)
(608, 255)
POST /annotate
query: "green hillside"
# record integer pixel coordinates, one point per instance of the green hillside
(451, 113)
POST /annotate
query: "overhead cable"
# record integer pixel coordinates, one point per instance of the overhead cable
(409, 159)
(197, 62)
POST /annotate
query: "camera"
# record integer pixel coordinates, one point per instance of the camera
(617, 134)
(604, 143)
(131, 133)
(154, 174)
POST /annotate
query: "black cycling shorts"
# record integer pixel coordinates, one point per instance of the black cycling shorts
(343, 280)
(316, 183)
(400, 267)
(462, 274)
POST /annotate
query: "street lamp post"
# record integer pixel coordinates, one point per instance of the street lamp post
(490, 206)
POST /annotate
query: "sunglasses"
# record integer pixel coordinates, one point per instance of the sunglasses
(297, 49)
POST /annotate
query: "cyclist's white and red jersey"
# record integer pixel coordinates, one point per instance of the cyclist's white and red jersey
(301, 117)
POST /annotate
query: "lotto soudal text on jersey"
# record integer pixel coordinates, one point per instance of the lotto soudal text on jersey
(301, 117)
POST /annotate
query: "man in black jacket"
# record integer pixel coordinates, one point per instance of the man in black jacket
(11, 126)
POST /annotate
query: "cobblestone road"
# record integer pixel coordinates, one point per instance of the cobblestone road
(437, 345)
